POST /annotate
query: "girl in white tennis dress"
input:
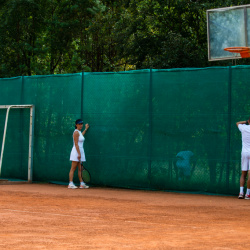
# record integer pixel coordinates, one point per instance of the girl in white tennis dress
(74, 154)
(77, 155)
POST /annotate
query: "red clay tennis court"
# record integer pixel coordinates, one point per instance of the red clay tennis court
(49, 216)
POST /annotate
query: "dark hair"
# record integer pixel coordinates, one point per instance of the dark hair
(78, 121)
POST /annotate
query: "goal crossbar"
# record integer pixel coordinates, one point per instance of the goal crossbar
(31, 133)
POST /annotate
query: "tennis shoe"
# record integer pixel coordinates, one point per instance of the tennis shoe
(72, 186)
(84, 186)
(241, 196)
(247, 196)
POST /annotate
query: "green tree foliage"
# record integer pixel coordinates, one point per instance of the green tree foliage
(65, 36)
(172, 35)
(21, 25)
(44, 36)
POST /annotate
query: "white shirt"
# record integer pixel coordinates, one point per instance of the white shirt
(245, 132)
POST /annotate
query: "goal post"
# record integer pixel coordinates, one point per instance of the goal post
(31, 135)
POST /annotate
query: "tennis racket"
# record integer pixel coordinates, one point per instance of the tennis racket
(85, 174)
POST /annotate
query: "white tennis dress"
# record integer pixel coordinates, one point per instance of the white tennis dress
(74, 154)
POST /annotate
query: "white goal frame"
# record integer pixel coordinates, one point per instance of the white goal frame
(31, 135)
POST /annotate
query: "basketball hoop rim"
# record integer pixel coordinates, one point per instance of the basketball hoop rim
(237, 49)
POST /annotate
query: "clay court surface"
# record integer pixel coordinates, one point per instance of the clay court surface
(48, 216)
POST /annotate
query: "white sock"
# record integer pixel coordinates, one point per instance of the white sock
(71, 183)
(82, 183)
(248, 191)
(242, 190)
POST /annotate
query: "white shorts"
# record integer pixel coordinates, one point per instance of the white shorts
(245, 161)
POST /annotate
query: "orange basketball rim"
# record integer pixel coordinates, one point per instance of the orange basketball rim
(244, 51)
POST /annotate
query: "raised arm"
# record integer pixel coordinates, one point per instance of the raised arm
(242, 122)
(86, 128)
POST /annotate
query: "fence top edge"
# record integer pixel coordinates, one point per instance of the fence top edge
(10, 78)
(129, 72)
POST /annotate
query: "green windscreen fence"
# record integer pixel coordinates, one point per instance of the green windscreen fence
(149, 129)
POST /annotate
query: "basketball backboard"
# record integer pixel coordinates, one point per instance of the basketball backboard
(227, 27)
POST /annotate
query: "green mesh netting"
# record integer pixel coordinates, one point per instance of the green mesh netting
(149, 129)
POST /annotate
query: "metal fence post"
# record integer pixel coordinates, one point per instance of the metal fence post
(82, 85)
(150, 108)
(229, 126)
(22, 89)
(22, 121)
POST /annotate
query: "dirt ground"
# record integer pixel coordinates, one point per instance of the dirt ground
(48, 216)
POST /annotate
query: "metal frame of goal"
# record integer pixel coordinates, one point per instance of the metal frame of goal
(31, 135)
